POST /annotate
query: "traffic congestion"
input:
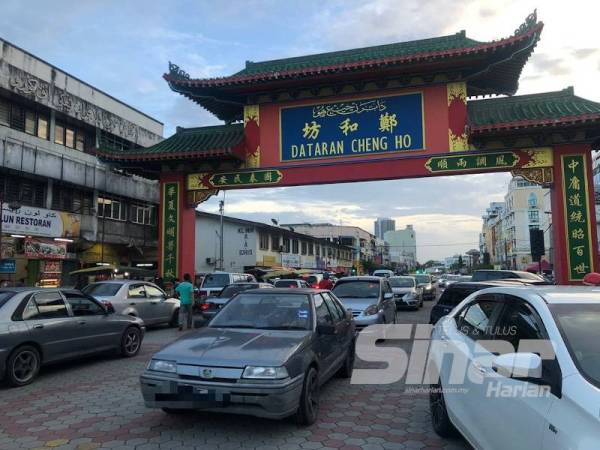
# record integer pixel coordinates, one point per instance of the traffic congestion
(269, 349)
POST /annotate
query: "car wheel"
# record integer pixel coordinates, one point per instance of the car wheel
(23, 365)
(348, 365)
(439, 414)
(131, 342)
(174, 319)
(308, 409)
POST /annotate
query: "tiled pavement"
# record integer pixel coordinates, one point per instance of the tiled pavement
(97, 404)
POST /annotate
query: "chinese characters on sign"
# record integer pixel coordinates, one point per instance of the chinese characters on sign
(236, 179)
(577, 216)
(352, 128)
(170, 230)
(472, 162)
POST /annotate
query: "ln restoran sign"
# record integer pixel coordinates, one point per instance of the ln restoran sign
(31, 221)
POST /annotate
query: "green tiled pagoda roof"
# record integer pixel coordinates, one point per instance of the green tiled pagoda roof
(201, 142)
(487, 67)
(523, 111)
(376, 53)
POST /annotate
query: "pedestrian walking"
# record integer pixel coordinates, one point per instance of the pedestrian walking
(185, 292)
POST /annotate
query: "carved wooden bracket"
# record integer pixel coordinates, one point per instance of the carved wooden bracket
(194, 198)
(538, 175)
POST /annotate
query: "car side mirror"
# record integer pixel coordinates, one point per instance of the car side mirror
(518, 365)
(388, 295)
(109, 308)
(326, 329)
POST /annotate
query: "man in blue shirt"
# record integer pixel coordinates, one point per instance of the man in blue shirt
(185, 292)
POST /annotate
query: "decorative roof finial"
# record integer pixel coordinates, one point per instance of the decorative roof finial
(530, 22)
(176, 72)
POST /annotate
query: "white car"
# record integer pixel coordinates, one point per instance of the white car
(515, 398)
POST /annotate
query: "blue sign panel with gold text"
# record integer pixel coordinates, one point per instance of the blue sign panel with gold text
(356, 127)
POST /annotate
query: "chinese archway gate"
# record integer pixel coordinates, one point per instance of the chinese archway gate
(394, 111)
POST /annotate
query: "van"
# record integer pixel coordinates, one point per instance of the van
(214, 282)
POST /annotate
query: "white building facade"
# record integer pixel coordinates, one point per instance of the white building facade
(403, 247)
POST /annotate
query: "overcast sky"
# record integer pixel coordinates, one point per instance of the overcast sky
(123, 47)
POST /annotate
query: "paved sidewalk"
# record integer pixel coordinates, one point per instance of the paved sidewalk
(97, 404)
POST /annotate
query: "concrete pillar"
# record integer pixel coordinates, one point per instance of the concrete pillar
(52, 125)
(49, 193)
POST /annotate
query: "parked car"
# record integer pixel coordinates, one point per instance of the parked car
(212, 305)
(266, 354)
(213, 283)
(549, 403)
(291, 283)
(371, 299)
(40, 326)
(406, 292)
(425, 282)
(487, 275)
(457, 292)
(137, 298)
(383, 273)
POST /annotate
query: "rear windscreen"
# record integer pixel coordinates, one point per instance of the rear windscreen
(453, 297)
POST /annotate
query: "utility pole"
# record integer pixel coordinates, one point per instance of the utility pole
(221, 211)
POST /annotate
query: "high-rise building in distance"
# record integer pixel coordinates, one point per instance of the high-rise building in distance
(383, 225)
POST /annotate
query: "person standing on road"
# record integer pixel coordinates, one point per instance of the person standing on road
(325, 283)
(185, 292)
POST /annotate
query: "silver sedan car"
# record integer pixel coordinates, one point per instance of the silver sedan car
(39, 326)
(137, 298)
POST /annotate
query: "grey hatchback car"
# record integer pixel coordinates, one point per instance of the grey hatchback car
(137, 298)
(266, 353)
(39, 326)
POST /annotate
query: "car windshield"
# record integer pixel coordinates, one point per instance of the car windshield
(232, 289)
(357, 289)
(401, 282)
(286, 284)
(265, 311)
(580, 327)
(423, 279)
(5, 297)
(215, 280)
(102, 289)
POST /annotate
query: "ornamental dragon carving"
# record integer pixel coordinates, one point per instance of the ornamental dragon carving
(40, 91)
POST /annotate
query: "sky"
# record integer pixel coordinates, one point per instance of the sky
(123, 48)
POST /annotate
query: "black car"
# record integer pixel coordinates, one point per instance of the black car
(212, 305)
(40, 326)
(457, 292)
(266, 353)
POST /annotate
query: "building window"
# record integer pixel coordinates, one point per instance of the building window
(311, 248)
(286, 245)
(143, 215)
(264, 241)
(534, 216)
(304, 247)
(70, 138)
(318, 249)
(295, 246)
(4, 112)
(80, 141)
(533, 203)
(23, 191)
(112, 142)
(72, 199)
(59, 134)
(30, 123)
(111, 209)
(42, 127)
(275, 243)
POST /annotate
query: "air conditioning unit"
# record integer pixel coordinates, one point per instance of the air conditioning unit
(211, 261)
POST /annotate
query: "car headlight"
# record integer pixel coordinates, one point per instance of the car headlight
(265, 373)
(409, 296)
(371, 310)
(428, 287)
(159, 365)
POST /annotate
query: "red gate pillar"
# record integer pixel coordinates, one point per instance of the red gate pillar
(177, 229)
(575, 239)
